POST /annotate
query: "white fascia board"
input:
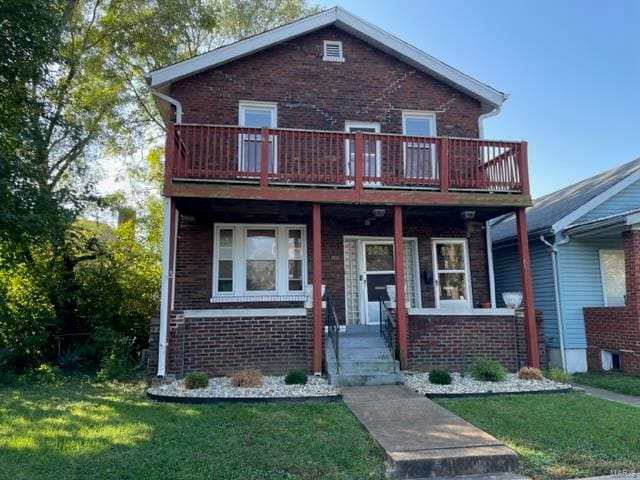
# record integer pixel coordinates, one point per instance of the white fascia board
(633, 220)
(348, 22)
(596, 201)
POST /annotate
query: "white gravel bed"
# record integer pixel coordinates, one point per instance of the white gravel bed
(272, 387)
(419, 382)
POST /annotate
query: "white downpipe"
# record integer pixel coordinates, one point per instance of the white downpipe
(556, 285)
(482, 117)
(492, 279)
(164, 289)
(172, 101)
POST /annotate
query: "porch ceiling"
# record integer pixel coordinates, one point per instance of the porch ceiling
(300, 212)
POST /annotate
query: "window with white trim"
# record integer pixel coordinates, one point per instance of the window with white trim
(451, 277)
(332, 51)
(259, 260)
(612, 270)
(419, 155)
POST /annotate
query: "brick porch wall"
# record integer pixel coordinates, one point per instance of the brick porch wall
(618, 328)
(453, 342)
(222, 346)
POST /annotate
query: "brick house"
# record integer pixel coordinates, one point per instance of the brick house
(313, 174)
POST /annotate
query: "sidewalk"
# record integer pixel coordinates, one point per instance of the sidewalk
(421, 439)
(608, 395)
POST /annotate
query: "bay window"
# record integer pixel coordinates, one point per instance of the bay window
(266, 261)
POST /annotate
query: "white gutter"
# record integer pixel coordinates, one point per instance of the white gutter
(556, 285)
(492, 280)
(172, 101)
(164, 289)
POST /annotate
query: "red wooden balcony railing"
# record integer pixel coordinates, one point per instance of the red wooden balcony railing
(349, 160)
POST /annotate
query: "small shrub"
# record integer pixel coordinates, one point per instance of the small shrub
(296, 377)
(558, 375)
(530, 373)
(196, 380)
(247, 378)
(486, 370)
(439, 376)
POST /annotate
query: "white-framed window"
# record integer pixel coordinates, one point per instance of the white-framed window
(332, 51)
(371, 167)
(259, 260)
(451, 275)
(612, 271)
(257, 115)
(419, 158)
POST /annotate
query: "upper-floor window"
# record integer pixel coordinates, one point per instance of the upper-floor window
(332, 51)
(256, 114)
(419, 155)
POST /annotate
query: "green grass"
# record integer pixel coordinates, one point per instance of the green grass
(559, 435)
(614, 381)
(84, 429)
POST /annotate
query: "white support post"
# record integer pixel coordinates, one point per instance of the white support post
(492, 278)
(164, 289)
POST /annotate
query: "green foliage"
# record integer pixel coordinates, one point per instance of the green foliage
(486, 370)
(296, 377)
(614, 381)
(440, 377)
(557, 374)
(196, 380)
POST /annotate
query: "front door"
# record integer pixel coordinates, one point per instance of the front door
(377, 273)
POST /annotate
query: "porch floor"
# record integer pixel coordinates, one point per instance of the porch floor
(421, 439)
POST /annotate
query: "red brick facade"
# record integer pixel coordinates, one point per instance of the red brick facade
(312, 94)
(453, 342)
(617, 329)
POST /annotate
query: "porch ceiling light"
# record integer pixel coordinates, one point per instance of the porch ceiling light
(379, 212)
(468, 214)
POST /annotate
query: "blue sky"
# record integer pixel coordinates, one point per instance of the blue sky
(572, 69)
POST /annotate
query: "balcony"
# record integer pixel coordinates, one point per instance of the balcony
(358, 166)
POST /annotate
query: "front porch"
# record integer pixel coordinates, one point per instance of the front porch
(255, 284)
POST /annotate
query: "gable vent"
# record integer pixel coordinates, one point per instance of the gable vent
(332, 51)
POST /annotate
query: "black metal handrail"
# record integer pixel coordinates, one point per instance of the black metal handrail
(387, 329)
(333, 330)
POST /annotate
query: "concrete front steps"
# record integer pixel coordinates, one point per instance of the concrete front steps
(364, 359)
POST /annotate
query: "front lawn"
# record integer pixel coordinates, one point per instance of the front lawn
(83, 429)
(559, 435)
(614, 381)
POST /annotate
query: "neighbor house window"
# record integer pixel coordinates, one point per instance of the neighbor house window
(259, 260)
(451, 273)
(613, 277)
(419, 154)
(256, 115)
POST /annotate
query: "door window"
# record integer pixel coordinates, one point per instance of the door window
(419, 156)
(370, 150)
(451, 273)
(256, 115)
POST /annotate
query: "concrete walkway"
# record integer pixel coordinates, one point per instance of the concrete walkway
(421, 439)
(609, 395)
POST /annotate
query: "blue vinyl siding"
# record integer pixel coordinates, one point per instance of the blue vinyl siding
(580, 284)
(507, 274)
(627, 199)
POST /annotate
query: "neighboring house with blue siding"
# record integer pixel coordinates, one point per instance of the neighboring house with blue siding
(577, 257)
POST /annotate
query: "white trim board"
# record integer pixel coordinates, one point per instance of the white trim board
(457, 312)
(352, 24)
(246, 312)
(595, 202)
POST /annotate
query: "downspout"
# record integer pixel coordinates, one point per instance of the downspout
(482, 117)
(556, 284)
(492, 280)
(172, 101)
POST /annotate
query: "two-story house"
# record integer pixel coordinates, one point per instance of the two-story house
(326, 182)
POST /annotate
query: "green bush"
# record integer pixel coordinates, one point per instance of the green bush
(296, 377)
(118, 357)
(486, 370)
(196, 380)
(440, 376)
(557, 375)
